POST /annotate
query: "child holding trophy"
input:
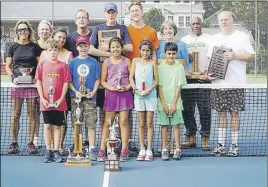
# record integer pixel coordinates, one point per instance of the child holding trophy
(118, 98)
(52, 78)
(85, 73)
(171, 79)
(144, 69)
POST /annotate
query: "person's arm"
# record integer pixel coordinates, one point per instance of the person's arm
(97, 52)
(70, 57)
(234, 56)
(176, 97)
(155, 74)
(128, 48)
(40, 92)
(42, 57)
(9, 68)
(132, 74)
(161, 97)
(128, 87)
(104, 75)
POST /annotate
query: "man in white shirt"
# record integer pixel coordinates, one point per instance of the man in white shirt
(231, 100)
(198, 42)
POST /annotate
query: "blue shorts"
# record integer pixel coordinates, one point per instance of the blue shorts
(145, 104)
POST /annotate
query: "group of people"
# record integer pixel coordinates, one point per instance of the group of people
(124, 74)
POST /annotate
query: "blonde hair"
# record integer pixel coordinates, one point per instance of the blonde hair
(82, 10)
(135, 3)
(52, 43)
(31, 35)
(46, 22)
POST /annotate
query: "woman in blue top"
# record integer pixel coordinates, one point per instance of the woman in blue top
(144, 70)
(169, 29)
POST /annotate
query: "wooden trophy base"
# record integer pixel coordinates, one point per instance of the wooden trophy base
(195, 75)
(78, 162)
(112, 163)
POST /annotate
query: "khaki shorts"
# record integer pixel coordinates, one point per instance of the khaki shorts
(88, 112)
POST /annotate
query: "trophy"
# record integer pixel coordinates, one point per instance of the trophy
(143, 83)
(218, 63)
(83, 72)
(51, 91)
(119, 79)
(78, 160)
(25, 78)
(195, 74)
(169, 114)
(104, 36)
(112, 163)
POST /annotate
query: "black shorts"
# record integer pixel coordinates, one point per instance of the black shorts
(54, 117)
(100, 98)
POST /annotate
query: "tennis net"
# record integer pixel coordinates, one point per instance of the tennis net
(252, 139)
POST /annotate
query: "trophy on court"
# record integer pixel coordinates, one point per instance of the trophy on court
(112, 162)
(78, 160)
(104, 36)
(25, 78)
(218, 63)
(51, 92)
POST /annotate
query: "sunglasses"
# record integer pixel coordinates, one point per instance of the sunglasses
(23, 29)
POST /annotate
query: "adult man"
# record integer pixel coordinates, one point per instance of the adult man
(99, 44)
(197, 42)
(81, 21)
(230, 100)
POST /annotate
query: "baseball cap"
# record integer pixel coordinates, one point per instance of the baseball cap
(82, 39)
(110, 6)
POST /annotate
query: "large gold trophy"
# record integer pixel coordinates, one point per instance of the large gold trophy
(195, 74)
(78, 160)
(112, 162)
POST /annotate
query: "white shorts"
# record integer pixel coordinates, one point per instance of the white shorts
(145, 104)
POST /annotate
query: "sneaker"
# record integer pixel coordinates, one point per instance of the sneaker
(101, 155)
(93, 154)
(165, 155)
(233, 150)
(149, 156)
(141, 155)
(124, 155)
(31, 149)
(132, 147)
(37, 142)
(57, 157)
(177, 154)
(219, 150)
(13, 148)
(48, 157)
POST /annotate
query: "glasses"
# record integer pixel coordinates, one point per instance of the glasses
(81, 18)
(23, 29)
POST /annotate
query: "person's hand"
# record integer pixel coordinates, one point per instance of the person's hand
(78, 94)
(173, 108)
(147, 92)
(165, 108)
(229, 55)
(15, 80)
(90, 95)
(104, 46)
(44, 102)
(34, 81)
(58, 102)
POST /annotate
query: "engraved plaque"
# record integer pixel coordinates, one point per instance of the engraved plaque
(218, 64)
(105, 36)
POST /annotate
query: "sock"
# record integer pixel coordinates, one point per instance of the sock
(149, 149)
(234, 137)
(142, 148)
(91, 147)
(221, 136)
(165, 149)
(178, 149)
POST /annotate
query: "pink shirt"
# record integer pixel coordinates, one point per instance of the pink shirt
(55, 75)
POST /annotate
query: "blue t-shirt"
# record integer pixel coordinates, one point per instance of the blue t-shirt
(124, 35)
(89, 68)
(71, 42)
(182, 53)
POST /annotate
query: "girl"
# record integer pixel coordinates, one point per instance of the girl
(115, 79)
(146, 80)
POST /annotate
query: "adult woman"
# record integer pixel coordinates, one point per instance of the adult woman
(23, 53)
(169, 29)
(63, 56)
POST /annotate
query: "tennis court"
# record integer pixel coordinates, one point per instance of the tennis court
(197, 168)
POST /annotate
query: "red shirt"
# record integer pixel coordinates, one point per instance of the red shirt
(55, 75)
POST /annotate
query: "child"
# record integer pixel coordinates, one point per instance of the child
(85, 73)
(171, 79)
(115, 79)
(52, 75)
(146, 80)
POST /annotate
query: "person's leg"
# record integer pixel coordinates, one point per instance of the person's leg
(165, 153)
(177, 151)
(104, 135)
(37, 141)
(142, 152)
(31, 111)
(124, 128)
(16, 105)
(47, 135)
(150, 135)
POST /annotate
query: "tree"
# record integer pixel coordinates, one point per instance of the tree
(154, 18)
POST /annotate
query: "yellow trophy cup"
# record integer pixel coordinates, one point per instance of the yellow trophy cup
(78, 160)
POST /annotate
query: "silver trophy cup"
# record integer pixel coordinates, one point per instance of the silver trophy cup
(25, 78)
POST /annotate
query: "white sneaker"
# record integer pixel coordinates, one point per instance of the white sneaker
(141, 155)
(37, 142)
(233, 150)
(149, 156)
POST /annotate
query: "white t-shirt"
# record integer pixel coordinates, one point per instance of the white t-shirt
(240, 44)
(200, 44)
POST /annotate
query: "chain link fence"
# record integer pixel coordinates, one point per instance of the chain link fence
(249, 16)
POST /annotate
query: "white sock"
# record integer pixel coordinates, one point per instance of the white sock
(165, 149)
(91, 147)
(221, 136)
(234, 137)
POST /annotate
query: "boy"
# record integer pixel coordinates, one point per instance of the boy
(52, 78)
(85, 73)
(171, 79)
